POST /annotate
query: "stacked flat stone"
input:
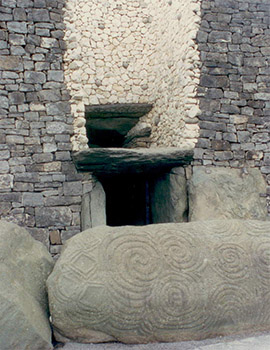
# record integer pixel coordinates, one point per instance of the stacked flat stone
(39, 187)
(234, 41)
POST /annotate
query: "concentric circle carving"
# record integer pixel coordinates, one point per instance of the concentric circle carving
(180, 251)
(139, 258)
(177, 302)
(231, 261)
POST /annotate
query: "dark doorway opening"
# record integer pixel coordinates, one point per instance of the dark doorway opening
(127, 200)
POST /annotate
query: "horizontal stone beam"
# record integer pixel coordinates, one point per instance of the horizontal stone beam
(109, 161)
(127, 110)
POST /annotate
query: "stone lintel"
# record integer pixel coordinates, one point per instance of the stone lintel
(118, 110)
(109, 161)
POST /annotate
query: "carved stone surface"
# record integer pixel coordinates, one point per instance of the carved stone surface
(108, 161)
(223, 193)
(24, 267)
(166, 282)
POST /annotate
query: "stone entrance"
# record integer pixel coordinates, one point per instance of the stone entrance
(127, 200)
(134, 187)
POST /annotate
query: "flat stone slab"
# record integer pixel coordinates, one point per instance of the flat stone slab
(256, 342)
(162, 283)
(108, 161)
(118, 110)
(224, 193)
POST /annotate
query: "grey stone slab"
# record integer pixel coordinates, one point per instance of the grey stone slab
(219, 193)
(24, 267)
(169, 197)
(118, 110)
(34, 77)
(107, 161)
(53, 216)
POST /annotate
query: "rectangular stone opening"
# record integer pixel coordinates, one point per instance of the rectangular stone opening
(107, 125)
(127, 200)
(142, 199)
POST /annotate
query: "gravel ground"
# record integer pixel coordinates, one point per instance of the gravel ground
(259, 341)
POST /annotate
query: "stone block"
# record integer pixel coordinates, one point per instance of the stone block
(49, 43)
(16, 39)
(56, 75)
(219, 193)
(58, 108)
(261, 40)
(55, 237)
(25, 266)
(73, 188)
(4, 166)
(17, 27)
(166, 282)
(219, 36)
(4, 103)
(34, 77)
(17, 139)
(169, 197)
(32, 199)
(19, 14)
(40, 15)
(53, 216)
(6, 182)
(93, 207)
(16, 98)
(213, 81)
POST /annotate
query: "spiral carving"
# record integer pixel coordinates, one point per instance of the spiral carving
(255, 227)
(161, 281)
(262, 258)
(228, 305)
(231, 261)
(222, 228)
(139, 259)
(180, 251)
(179, 303)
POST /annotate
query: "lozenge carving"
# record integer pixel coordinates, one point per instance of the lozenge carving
(165, 282)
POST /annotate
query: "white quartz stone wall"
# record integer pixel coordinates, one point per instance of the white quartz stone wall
(135, 51)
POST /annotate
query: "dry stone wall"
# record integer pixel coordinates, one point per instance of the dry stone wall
(39, 187)
(135, 51)
(234, 44)
(203, 64)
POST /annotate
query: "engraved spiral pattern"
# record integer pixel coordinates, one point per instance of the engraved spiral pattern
(184, 281)
(180, 251)
(231, 261)
(221, 228)
(139, 258)
(262, 258)
(176, 302)
(230, 305)
(255, 227)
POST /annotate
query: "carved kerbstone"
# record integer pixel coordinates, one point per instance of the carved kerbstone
(167, 282)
